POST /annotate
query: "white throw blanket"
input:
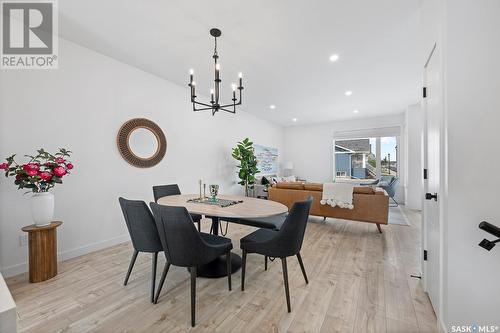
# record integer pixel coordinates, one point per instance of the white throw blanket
(337, 194)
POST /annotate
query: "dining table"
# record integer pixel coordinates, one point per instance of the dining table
(240, 209)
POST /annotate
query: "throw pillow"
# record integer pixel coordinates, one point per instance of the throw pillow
(383, 183)
(277, 180)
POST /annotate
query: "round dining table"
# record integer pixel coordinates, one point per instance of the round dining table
(246, 208)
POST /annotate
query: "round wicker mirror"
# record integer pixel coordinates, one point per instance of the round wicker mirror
(141, 142)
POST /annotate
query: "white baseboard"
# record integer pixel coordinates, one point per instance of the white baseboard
(68, 254)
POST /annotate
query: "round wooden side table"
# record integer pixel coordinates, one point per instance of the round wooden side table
(42, 243)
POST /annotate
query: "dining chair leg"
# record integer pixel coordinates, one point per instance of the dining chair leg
(285, 278)
(228, 268)
(199, 226)
(154, 259)
(193, 295)
(265, 263)
(243, 267)
(162, 280)
(130, 266)
(302, 267)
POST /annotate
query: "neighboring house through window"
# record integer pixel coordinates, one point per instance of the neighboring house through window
(351, 158)
(357, 158)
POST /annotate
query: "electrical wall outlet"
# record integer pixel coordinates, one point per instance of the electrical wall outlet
(23, 240)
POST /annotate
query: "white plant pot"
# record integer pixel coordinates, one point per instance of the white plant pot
(42, 208)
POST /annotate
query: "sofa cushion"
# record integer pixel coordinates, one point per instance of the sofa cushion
(291, 186)
(289, 179)
(313, 187)
(363, 190)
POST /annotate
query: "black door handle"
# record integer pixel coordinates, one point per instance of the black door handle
(430, 196)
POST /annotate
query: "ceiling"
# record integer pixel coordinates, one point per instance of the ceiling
(281, 46)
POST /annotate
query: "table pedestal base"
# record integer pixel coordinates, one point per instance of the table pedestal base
(217, 268)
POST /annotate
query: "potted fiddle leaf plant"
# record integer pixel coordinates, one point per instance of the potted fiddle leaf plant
(38, 175)
(245, 155)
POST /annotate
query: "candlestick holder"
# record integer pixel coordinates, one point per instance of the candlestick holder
(199, 183)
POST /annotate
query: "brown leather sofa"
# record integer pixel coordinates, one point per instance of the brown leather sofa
(369, 205)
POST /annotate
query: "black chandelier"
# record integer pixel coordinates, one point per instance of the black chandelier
(215, 104)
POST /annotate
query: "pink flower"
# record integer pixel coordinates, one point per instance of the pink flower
(4, 166)
(31, 167)
(59, 171)
(69, 166)
(31, 172)
(60, 160)
(18, 176)
(45, 175)
(50, 164)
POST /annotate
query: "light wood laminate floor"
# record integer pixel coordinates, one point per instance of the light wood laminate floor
(359, 281)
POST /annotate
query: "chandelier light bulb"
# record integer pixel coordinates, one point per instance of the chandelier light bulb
(233, 86)
(240, 75)
(191, 71)
(211, 91)
(193, 83)
(217, 67)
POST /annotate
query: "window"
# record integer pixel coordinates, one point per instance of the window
(341, 174)
(389, 152)
(355, 158)
(366, 158)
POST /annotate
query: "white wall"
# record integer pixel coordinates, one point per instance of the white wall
(414, 156)
(467, 32)
(310, 147)
(81, 106)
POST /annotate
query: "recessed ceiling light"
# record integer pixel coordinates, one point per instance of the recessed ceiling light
(355, 111)
(272, 106)
(334, 57)
(294, 120)
(348, 93)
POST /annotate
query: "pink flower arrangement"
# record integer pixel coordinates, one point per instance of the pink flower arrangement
(42, 172)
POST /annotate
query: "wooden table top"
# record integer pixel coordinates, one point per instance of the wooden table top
(249, 208)
(33, 227)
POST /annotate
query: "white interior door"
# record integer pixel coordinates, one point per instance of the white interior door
(433, 104)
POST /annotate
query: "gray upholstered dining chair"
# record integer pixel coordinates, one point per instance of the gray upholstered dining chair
(391, 189)
(185, 247)
(161, 191)
(281, 244)
(389, 184)
(142, 229)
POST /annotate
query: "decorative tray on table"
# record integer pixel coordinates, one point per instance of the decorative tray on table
(217, 202)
